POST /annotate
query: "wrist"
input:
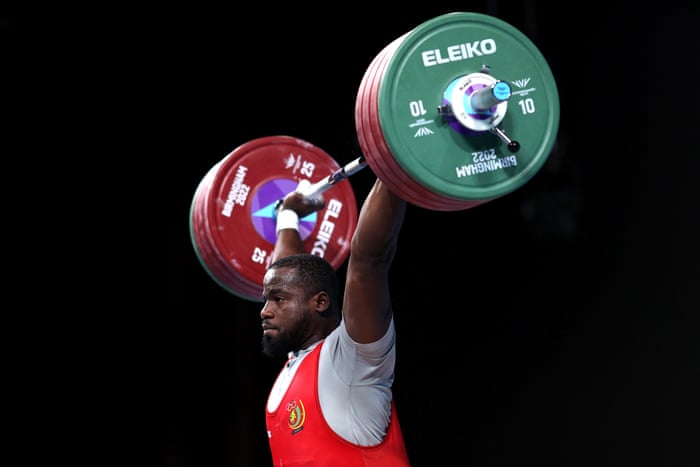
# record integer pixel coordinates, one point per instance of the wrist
(287, 219)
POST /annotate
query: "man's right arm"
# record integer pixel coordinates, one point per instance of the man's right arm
(367, 303)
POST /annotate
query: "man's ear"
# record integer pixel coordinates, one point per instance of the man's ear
(321, 301)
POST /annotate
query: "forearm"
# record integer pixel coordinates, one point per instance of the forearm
(288, 243)
(379, 224)
(289, 240)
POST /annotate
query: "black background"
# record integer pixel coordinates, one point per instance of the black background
(566, 339)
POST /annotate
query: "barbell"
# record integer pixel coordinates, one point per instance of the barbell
(460, 110)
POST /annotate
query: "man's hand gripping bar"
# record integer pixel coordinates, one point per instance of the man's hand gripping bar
(310, 191)
(342, 173)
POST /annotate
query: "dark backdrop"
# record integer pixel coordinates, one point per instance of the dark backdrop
(569, 341)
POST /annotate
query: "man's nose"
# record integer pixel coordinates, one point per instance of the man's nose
(265, 311)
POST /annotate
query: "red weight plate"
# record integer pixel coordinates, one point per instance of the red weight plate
(236, 230)
(373, 143)
(376, 148)
(371, 147)
(203, 245)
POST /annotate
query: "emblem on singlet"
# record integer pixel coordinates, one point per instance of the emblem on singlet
(297, 415)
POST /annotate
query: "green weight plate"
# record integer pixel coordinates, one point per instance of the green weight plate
(438, 151)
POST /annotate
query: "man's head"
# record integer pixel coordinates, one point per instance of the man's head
(302, 303)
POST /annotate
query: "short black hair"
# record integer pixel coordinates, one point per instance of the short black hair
(314, 274)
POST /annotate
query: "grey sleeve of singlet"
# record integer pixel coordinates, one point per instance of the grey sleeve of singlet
(354, 385)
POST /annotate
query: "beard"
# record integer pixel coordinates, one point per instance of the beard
(287, 340)
(277, 347)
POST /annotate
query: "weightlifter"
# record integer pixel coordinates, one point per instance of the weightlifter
(332, 403)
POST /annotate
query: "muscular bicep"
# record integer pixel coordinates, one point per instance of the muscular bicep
(366, 302)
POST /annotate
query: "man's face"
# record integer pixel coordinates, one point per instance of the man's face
(286, 320)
